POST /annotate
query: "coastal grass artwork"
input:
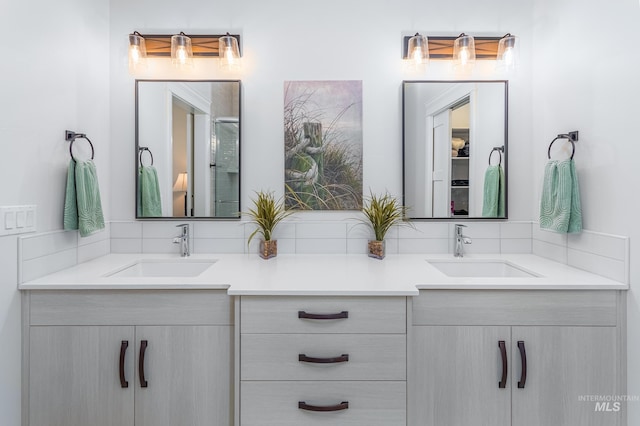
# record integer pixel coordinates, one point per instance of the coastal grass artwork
(323, 145)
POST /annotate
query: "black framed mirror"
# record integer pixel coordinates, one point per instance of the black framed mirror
(188, 149)
(455, 149)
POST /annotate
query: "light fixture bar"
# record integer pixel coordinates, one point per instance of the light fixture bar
(441, 47)
(202, 45)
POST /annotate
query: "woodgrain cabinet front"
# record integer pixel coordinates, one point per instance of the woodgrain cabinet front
(514, 358)
(322, 361)
(83, 370)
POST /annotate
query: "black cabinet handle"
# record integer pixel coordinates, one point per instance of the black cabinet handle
(143, 350)
(340, 315)
(335, 360)
(523, 359)
(342, 406)
(123, 353)
(503, 353)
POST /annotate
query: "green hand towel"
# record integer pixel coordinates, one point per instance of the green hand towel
(560, 208)
(150, 202)
(70, 217)
(82, 207)
(494, 192)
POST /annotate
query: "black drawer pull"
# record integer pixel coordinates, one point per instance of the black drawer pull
(123, 353)
(342, 406)
(503, 353)
(340, 315)
(523, 360)
(335, 360)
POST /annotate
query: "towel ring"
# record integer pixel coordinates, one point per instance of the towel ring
(142, 149)
(80, 136)
(499, 149)
(568, 137)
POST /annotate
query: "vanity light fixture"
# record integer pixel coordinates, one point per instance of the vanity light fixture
(508, 52)
(418, 51)
(137, 51)
(229, 52)
(464, 52)
(463, 49)
(182, 48)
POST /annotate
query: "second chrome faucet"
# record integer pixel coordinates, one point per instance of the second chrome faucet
(183, 240)
(460, 240)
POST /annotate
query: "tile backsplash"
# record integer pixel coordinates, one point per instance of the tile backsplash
(602, 254)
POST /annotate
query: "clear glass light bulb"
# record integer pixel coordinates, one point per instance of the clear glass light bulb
(417, 55)
(181, 55)
(464, 55)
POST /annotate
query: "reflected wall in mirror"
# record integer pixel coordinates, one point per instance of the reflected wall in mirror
(188, 149)
(450, 131)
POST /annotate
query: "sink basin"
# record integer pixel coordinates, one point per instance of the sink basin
(479, 268)
(163, 268)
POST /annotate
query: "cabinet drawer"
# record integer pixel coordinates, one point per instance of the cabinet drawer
(130, 307)
(276, 357)
(364, 315)
(515, 307)
(369, 403)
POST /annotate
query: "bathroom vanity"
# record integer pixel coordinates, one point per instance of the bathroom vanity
(363, 342)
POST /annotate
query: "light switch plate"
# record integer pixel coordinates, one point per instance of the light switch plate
(17, 219)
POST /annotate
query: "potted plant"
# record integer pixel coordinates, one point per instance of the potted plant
(266, 214)
(382, 212)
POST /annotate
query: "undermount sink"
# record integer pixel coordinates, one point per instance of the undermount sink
(163, 268)
(479, 268)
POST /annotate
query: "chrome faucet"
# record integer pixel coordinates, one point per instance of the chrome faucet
(183, 240)
(460, 241)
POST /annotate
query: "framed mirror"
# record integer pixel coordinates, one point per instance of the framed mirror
(188, 149)
(455, 149)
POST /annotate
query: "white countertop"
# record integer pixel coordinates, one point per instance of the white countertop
(316, 275)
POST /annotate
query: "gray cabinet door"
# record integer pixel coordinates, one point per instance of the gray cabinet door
(74, 376)
(189, 372)
(453, 376)
(565, 365)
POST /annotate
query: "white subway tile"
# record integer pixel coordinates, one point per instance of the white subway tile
(219, 245)
(126, 230)
(549, 251)
(612, 246)
(223, 229)
(314, 230)
(549, 236)
(126, 245)
(38, 245)
(159, 245)
(91, 251)
(44, 265)
(321, 246)
(423, 245)
(168, 230)
(516, 230)
(423, 230)
(600, 265)
(515, 245)
(359, 230)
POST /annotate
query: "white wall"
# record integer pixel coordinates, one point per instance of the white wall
(593, 88)
(54, 77)
(289, 40)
